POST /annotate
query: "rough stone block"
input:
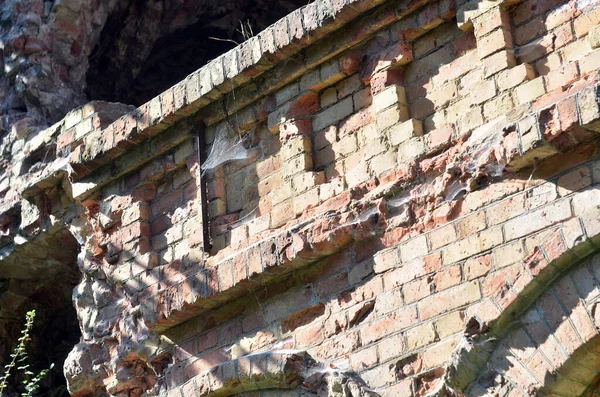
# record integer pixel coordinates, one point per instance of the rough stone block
(589, 108)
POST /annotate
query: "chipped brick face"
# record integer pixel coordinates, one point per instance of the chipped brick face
(416, 202)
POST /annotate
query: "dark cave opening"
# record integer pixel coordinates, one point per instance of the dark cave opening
(55, 328)
(172, 58)
(143, 51)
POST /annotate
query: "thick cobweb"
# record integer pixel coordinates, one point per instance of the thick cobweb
(226, 147)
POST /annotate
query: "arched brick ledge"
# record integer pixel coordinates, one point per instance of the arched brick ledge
(539, 327)
(283, 370)
(554, 347)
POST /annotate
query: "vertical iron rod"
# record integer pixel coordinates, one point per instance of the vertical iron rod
(199, 130)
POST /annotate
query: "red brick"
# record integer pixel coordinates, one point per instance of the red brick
(206, 341)
(136, 211)
(145, 192)
(418, 289)
(531, 8)
(389, 324)
(65, 139)
(331, 285)
(350, 62)
(355, 122)
(303, 317)
(167, 202)
(337, 347)
(230, 332)
(464, 43)
(252, 321)
(447, 278)
(135, 230)
(206, 362)
(562, 77)
(309, 336)
(535, 261)
(429, 17)
(529, 31)
(385, 78)
(440, 137)
(364, 358)
(567, 111)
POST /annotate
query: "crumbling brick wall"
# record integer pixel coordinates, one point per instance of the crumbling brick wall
(407, 206)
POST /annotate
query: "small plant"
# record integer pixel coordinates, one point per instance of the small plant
(19, 362)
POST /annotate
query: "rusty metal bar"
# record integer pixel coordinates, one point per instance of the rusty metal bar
(198, 130)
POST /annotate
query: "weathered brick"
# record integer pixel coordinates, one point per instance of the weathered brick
(584, 206)
(590, 63)
(386, 260)
(382, 162)
(333, 114)
(282, 213)
(416, 290)
(413, 249)
(589, 108)
(442, 236)
(364, 358)
(537, 220)
(508, 254)
(491, 19)
(515, 76)
(574, 181)
(530, 91)
(495, 41)
(470, 120)
(411, 149)
(442, 96)
(594, 37)
(420, 336)
(393, 95)
(561, 77)
(498, 106)
(439, 137)
(471, 224)
(473, 245)
(389, 324)
(332, 134)
(500, 61)
(450, 299)
(448, 277)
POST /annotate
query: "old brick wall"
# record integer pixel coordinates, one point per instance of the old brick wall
(410, 209)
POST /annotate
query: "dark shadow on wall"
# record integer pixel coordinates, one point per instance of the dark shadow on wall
(51, 275)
